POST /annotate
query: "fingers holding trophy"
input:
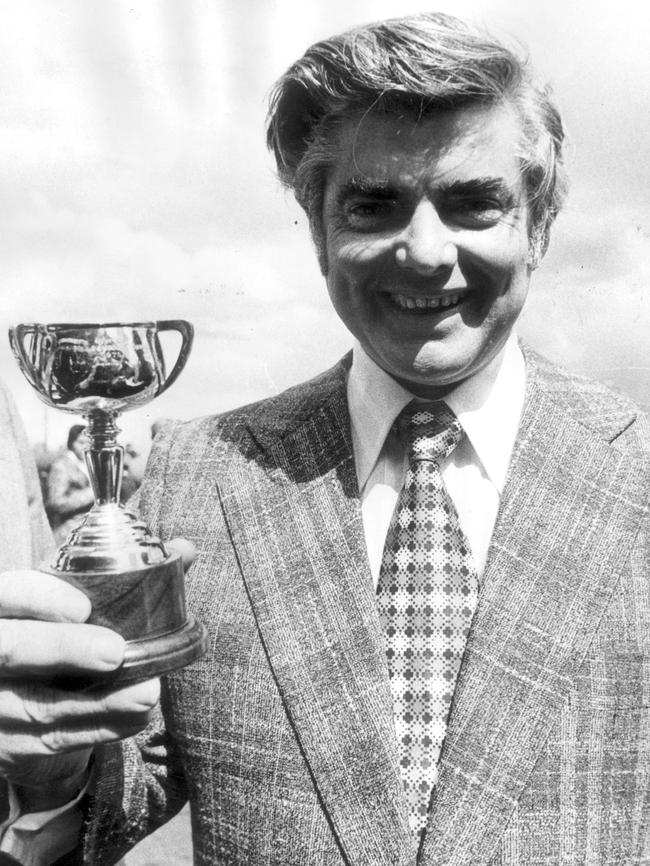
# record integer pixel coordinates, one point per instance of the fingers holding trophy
(135, 585)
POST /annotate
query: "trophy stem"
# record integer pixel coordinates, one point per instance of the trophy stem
(104, 457)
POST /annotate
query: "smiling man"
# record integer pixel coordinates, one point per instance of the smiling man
(426, 244)
(425, 572)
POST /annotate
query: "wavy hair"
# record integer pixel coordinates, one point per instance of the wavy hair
(417, 64)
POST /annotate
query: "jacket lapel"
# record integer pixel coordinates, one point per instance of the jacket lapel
(569, 516)
(292, 508)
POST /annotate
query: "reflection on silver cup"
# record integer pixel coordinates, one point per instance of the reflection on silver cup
(96, 366)
(113, 367)
(135, 585)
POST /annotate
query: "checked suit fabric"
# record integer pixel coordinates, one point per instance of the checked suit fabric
(426, 597)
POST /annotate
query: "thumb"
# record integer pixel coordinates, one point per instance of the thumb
(185, 548)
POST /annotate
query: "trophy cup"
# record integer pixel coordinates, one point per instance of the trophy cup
(135, 586)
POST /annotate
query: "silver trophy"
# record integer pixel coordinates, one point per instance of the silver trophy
(135, 586)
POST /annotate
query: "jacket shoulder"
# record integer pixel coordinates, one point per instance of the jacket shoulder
(611, 415)
(184, 453)
(272, 417)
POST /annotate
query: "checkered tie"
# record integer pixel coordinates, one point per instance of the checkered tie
(426, 598)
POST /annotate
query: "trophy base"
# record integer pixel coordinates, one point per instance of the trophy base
(154, 656)
(147, 607)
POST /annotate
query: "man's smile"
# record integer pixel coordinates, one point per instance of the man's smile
(418, 304)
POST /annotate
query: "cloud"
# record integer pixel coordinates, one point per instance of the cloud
(589, 306)
(57, 261)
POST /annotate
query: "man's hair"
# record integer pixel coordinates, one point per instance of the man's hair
(416, 64)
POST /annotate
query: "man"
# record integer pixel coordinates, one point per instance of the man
(429, 163)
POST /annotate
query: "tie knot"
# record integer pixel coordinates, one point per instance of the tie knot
(430, 431)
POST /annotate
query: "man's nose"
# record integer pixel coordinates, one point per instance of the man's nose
(426, 244)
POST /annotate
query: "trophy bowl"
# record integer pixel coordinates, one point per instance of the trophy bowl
(134, 584)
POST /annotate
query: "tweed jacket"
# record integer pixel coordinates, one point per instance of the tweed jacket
(25, 537)
(282, 735)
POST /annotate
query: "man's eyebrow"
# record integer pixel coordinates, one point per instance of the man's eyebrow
(380, 189)
(363, 186)
(480, 186)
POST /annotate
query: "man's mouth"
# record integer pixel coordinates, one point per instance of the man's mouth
(409, 304)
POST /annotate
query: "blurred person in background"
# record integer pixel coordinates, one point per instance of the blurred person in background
(158, 426)
(69, 494)
(44, 458)
(131, 477)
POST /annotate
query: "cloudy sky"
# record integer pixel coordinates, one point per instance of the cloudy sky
(135, 185)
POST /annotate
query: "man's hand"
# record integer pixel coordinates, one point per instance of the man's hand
(48, 728)
(47, 732)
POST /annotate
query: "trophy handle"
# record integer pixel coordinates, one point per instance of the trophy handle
(186, 331)
(17, 342)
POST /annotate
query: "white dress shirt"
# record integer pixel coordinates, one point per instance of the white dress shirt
(488, 407)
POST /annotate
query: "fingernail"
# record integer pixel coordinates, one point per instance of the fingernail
(108, 650)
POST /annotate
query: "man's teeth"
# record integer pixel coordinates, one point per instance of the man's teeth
(407, 303)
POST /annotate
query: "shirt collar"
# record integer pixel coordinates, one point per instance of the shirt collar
(488, 407)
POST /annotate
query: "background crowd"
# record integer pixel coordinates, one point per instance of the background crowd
(65, 484)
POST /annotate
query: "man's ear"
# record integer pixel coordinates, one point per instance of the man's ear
(537, 245)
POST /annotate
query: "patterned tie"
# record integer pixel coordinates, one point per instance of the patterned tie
(426, 598)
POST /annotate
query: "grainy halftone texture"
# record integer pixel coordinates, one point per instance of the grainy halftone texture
(282, 735)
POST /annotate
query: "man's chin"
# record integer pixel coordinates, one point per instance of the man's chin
(432, 371)
(430, 382)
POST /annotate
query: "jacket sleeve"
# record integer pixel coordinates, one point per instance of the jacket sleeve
(25, 537)
(139, 785)
(41, 540)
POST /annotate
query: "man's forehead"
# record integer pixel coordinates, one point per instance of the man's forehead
(454, 144)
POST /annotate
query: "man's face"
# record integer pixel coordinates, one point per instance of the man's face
(426, 243)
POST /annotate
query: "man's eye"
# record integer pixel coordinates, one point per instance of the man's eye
(480, 211)
(367, 215)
